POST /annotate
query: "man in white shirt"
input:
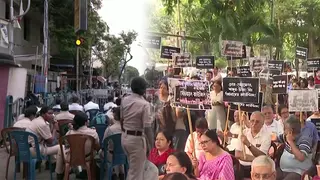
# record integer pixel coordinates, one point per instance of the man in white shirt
(109, 105)
(75, 106)
(233, 133)
(90, 105)
(273, 126)
(255, 141)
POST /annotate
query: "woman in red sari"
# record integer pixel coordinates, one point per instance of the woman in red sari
(163, 148)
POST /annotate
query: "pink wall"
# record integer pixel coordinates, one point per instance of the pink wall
(4, 76)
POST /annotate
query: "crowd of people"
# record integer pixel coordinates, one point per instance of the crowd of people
(156, 136)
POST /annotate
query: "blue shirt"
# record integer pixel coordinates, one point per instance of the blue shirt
(305, 141)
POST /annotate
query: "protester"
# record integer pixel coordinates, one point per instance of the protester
(163, 148)
(135, 123)
(263, 167)
(180, 134)
(217, 116)
(303, 83)
(216, 76)
(317, 77)
(214, 163)
(273, 126)
(90, 105)
(234, 132)
(209, 76)
(255, 140)
(283, 113)
(297, 155)
(311, 82)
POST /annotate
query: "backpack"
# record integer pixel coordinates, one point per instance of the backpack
(100, 118)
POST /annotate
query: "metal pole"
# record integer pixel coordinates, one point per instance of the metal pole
(271, 22)
(77, 70)
(45, 52)
(35, 69)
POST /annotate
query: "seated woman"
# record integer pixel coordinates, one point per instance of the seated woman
(179, 162)
(214, 163)
(163, 148)
(79, 127)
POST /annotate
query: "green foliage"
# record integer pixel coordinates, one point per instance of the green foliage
(129, 73)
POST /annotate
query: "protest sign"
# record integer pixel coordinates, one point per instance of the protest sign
(167, 51)
(248, 107)
(303, 100)
(244, 71)
(276, 65)
(152, 42)
(280, 84)
(182, 60)
(205, 62)
(301, 52)
(232, 48)
(313, 64)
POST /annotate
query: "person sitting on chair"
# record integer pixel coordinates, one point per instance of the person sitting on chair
(75, 106)
(64, 113)
(90, 105)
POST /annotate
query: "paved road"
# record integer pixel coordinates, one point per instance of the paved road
(39, 176)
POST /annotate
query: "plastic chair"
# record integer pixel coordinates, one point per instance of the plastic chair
(101, 128)
(236, 167)
(279, 154)
(24, 153)
(92, 113)
(11, 150)
(118, 156)
(63, 126)
(77, 154)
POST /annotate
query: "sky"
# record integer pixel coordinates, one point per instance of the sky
(126, 15)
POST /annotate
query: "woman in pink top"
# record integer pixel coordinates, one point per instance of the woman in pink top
(214, 163)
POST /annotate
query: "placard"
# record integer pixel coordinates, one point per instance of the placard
(244, 71)
(316, 122)
(268, 74)
(276, 65)
(313, 64)
(167, 51)
(152, 42)
(182, 60)
(303, 100)
(280, 84)
(258, 64)
(189, 93)
(248, 107)
(301, 52)
(205, 62)
(243, 90)
(232, 48)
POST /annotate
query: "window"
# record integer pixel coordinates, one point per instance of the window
(41, 35)
(7, 13)
(26, 28)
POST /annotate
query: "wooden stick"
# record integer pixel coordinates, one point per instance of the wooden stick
(241, 132)
(191, 132)
(226, 127)
(301, 119)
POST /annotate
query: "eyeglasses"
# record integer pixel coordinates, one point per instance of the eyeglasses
(262, 176)
(204, 142)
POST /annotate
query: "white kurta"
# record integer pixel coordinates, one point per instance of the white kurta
(217, 116)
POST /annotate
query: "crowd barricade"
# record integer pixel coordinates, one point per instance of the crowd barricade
(12, 110)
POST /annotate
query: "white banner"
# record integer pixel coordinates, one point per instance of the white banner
(303, 100)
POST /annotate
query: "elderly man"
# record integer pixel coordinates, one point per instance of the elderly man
(297, 155)
(263, 167)
(273, 126)
(255, 141)
(136, 127)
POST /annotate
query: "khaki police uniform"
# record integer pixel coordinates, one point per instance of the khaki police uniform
(64, 115)
(135, 112)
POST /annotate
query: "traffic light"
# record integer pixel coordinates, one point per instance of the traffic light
(79, 41)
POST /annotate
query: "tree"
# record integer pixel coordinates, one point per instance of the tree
(152, 76)
(129, 73)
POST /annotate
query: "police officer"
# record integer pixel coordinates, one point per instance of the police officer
(136, 126)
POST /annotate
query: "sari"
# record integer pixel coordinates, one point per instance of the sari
(220, 168)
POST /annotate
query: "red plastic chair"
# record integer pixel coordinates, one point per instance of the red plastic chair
(63, 126)
(77, 155)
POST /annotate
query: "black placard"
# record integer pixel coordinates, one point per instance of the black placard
(244, 71)
(313, 64)
(243, 90)
(275, 65)
(205, 62)
(301, 53)
(280, 84)
(152, 42)
(182, 60)
(248, 107)
(316, 122)
(167, 51)
(190, 93)
(258, 65)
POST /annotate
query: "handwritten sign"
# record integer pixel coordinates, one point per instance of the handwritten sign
(232, 48)
(152, 42)
(313, 64)
(301, 53)
(181, 60)
(280, 84)
(303, 100)
(243, 90)
(189, 93)
(244, 71)
(205, 62)
(248, 107)
(275, 65)
(167, 51)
